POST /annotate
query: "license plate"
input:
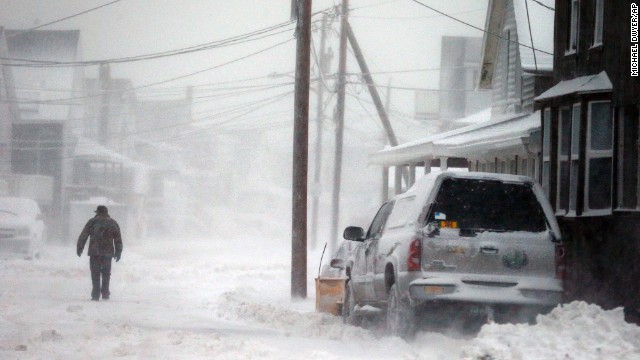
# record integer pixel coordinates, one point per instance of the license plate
(433, 290)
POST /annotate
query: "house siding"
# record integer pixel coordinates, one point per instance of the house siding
(602, 249)
(507, 76)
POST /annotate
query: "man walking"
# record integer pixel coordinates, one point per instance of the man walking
(105, 243)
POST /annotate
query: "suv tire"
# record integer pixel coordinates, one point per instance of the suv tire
(349, 305)
(400, 315)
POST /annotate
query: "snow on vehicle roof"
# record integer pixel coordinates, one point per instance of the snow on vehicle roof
(20, 206)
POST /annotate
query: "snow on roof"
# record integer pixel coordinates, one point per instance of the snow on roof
(476, 118)
(514, 127)
(486, 135)
(583, 84)
(89, 149)
(531, 14)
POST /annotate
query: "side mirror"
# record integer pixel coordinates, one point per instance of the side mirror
(353, 233)
(337, 263)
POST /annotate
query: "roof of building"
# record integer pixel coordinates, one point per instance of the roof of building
(534, 26)
(464, 142)
(475, 118)
(580, 85)
(535, 30)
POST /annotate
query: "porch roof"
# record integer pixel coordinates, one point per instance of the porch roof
(493, 135)
(579, 85)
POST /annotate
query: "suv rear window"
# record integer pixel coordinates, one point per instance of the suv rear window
(476, 204)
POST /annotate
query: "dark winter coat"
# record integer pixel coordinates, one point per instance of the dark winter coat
(104, 233)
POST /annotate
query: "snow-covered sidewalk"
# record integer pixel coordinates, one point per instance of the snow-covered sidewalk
(229, 299)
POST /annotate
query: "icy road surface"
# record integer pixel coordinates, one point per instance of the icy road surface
(222, 299)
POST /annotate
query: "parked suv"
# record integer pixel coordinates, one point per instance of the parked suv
(467, 243)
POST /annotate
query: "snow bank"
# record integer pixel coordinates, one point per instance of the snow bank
(574, 331)
(238, 305)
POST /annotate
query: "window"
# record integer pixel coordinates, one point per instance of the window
(599, 158)
(375, 230)
(546, 150)
(399, 217)
(598, 22)
(573, 25)
(628, 158)
(533, 168)
(564, 145)
(489, 205)
(575, 157)
(523, 167)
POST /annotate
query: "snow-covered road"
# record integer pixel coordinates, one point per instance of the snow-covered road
(229, 299)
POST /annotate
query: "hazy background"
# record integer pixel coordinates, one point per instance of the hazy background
(400, 40)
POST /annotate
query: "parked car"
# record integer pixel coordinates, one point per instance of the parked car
(457, 243)
(22, 229)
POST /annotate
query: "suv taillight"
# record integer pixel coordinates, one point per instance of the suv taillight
(415, 250)
(561, 269)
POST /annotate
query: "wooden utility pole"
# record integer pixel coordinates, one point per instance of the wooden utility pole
(300, 151)
(105, 106)
(391, 136)
(319, 119)
(337, 169)
(375, 96)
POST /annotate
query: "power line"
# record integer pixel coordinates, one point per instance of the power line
(413, 17)
(240, 39)
(478, 28)
(65, 18)
(411, 88)
(58, 101)
(543, 5)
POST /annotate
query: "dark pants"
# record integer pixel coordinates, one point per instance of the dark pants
(100, 265)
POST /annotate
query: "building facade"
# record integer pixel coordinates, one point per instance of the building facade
(590, 145)
(516, 65)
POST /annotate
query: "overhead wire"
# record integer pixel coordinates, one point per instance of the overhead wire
(479, 28)
(543, 5)
(65, 18)
(240, 39)
(178, 77)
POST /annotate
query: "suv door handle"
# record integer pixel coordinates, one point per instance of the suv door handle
(489, 250)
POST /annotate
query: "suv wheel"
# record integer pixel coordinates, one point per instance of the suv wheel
(349, 305)
(400, 315)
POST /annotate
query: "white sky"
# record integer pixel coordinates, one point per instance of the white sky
(394, 35)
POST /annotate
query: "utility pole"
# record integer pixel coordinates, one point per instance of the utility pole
(337, 169)
(300, 151)
(105, 85)
(391, 136)
(319, 119)
(373, 90)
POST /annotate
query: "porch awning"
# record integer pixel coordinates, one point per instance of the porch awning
(491, 136)
(579, 85)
